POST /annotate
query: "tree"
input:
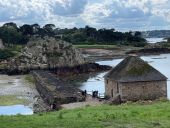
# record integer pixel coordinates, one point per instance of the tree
(91, 32)
(138, 34)
(168, 40)
(26, 30)
(11, 24)
(35, 28)
(10, 35)
(49, 29)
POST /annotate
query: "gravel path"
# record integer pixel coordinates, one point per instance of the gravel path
(89, 102)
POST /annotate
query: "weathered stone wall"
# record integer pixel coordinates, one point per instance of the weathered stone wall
(143, 90)
(136, 90)
(54, 91)
(112, 88)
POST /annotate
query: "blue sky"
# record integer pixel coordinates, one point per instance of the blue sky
(122, 15)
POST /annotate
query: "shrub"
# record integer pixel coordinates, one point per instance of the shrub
(5, 54)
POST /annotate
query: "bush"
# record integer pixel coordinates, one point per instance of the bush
(5, 54)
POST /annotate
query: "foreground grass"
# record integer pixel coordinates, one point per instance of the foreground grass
(96, 46)
(10, 100)
(105, 116)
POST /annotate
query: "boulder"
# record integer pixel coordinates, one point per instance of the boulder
(46, 53)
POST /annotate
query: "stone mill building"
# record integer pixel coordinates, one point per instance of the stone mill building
(134, 79)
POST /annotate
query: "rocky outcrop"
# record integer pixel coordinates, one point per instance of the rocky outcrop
(46, 53)
(1, 44)
(54, 91)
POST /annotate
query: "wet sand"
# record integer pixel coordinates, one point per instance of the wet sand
(94, 54)
(21, 89)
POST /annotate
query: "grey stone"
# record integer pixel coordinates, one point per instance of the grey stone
(49, 52)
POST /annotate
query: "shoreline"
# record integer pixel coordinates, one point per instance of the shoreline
(16, 90)
(99, 55)
(40, 105)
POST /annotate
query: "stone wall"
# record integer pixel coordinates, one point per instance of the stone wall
(136, 90)
(54, 91)
(143, 90)
(112, 88)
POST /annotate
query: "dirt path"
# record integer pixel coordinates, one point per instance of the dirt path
(89, 102)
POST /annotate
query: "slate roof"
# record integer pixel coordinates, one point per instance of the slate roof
(134, 69)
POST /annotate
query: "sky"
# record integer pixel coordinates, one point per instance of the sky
(123, 15)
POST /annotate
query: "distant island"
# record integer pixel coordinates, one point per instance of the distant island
(156, 34)
(10, 34)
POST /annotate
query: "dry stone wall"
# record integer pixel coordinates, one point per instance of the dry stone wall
(54, 91)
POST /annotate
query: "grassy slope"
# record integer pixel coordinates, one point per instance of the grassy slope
(122, 116)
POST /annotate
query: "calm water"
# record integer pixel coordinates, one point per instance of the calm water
(160, 62)
(154, 40)
(15, 109)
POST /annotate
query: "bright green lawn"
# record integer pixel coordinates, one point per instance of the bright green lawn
(156, 115)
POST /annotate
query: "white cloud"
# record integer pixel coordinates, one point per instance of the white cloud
(141, 4)
(158, 2)
(98, 13)
(94, 12)
(39, 11)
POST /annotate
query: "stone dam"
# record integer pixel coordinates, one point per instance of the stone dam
(54, 91)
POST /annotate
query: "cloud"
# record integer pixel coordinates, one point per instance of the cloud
(120, 14)
(114, 14)
(128, 14)
(40, 11)
(71, 8)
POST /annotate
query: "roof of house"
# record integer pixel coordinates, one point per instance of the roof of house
(134, 69)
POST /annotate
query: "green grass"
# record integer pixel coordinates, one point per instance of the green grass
(97, 46)
(15, 48)
(5, 54)
(10, 51)
(3, 66)
(155, 115)
(10, 100)
(29, 78)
